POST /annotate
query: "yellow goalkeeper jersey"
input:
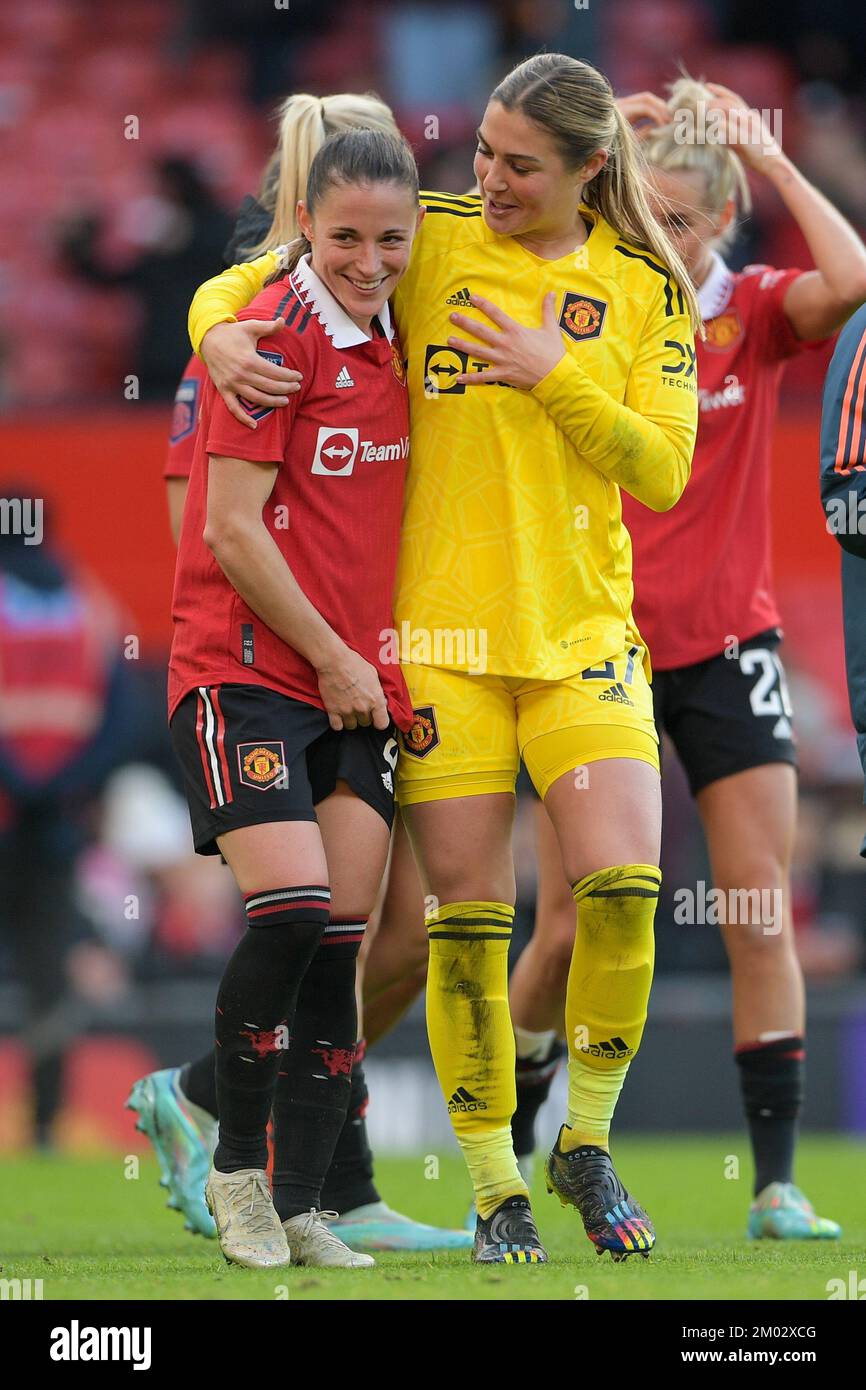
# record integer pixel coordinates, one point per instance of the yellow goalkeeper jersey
(513, 542)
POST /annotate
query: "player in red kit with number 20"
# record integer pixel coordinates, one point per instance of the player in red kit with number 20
(283, 710)
(704, 603)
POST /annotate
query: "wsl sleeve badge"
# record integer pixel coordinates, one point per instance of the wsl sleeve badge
(185, 415)
(258, 412)
(423, 736)
(582, 316)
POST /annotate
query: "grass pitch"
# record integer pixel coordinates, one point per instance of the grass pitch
(89, 1231)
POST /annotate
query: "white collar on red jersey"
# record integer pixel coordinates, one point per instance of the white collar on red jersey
(342, 330)
(714, 293)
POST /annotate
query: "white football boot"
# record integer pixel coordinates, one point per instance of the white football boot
(312, 1244)
(248, 1228)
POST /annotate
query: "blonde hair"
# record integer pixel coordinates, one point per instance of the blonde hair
(669, 148)
(305, 123)
(574, 103)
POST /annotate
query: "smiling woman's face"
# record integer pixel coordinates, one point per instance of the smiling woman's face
(526, 186)
(361, 235)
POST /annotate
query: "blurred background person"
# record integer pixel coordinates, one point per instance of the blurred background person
(843, 495)
(66, 720)
(181, 231)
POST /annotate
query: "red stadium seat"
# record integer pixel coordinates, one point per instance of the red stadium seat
(219, 73)
(121, 78)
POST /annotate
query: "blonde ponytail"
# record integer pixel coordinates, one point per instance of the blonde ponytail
(305, 122)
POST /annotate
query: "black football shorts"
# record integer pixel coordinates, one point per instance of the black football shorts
(250, 755)
(729, 713)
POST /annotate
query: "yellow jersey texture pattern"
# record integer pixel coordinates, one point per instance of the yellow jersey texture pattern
(513, 522)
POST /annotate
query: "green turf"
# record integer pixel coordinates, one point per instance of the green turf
(89, 1232)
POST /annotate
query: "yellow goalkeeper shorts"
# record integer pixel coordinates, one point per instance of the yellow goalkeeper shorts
(470, 732)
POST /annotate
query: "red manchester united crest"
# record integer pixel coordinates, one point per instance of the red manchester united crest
(723, 331)
(423, 736)
(582, 316)
(398, 367)
(260, 764)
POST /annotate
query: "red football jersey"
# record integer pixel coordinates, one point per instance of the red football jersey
(702, 570)
(342, 445)
(187, 404)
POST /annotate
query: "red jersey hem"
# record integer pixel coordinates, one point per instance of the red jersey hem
(661, 664)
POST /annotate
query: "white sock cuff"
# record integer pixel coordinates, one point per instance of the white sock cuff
(533, 1047)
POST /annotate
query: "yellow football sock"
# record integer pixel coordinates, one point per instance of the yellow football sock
(608, 990)
(472, 1040)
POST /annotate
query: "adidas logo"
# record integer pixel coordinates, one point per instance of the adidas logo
(463, 1100)
(343, 378)
(615, 1049)
(460, 299)
(387, 781)
(616, 694)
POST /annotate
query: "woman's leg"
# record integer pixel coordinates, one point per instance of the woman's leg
(395, 970)
(280, 869)
(538, 987)
(609, 828)
(538, 980)
(282, 872)
(749, 820)
(463, 848)
(607, 816)
(312, 1094)
(590, 746)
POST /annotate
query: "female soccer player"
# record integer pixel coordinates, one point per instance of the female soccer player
(177, 1105)
(514, 602)
(704, 602)
(270, 220)
(282, 709)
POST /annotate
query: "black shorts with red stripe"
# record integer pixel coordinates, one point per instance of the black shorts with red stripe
(250, 755)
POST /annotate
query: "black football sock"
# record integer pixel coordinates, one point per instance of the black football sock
(349, 1183)
(534, 1080)
(198, 1082)
(772, 1076)
(314, 1081)
(255, 1009)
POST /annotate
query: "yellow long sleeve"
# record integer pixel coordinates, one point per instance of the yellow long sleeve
(648, 457)
(644, 442)
(219, 299)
